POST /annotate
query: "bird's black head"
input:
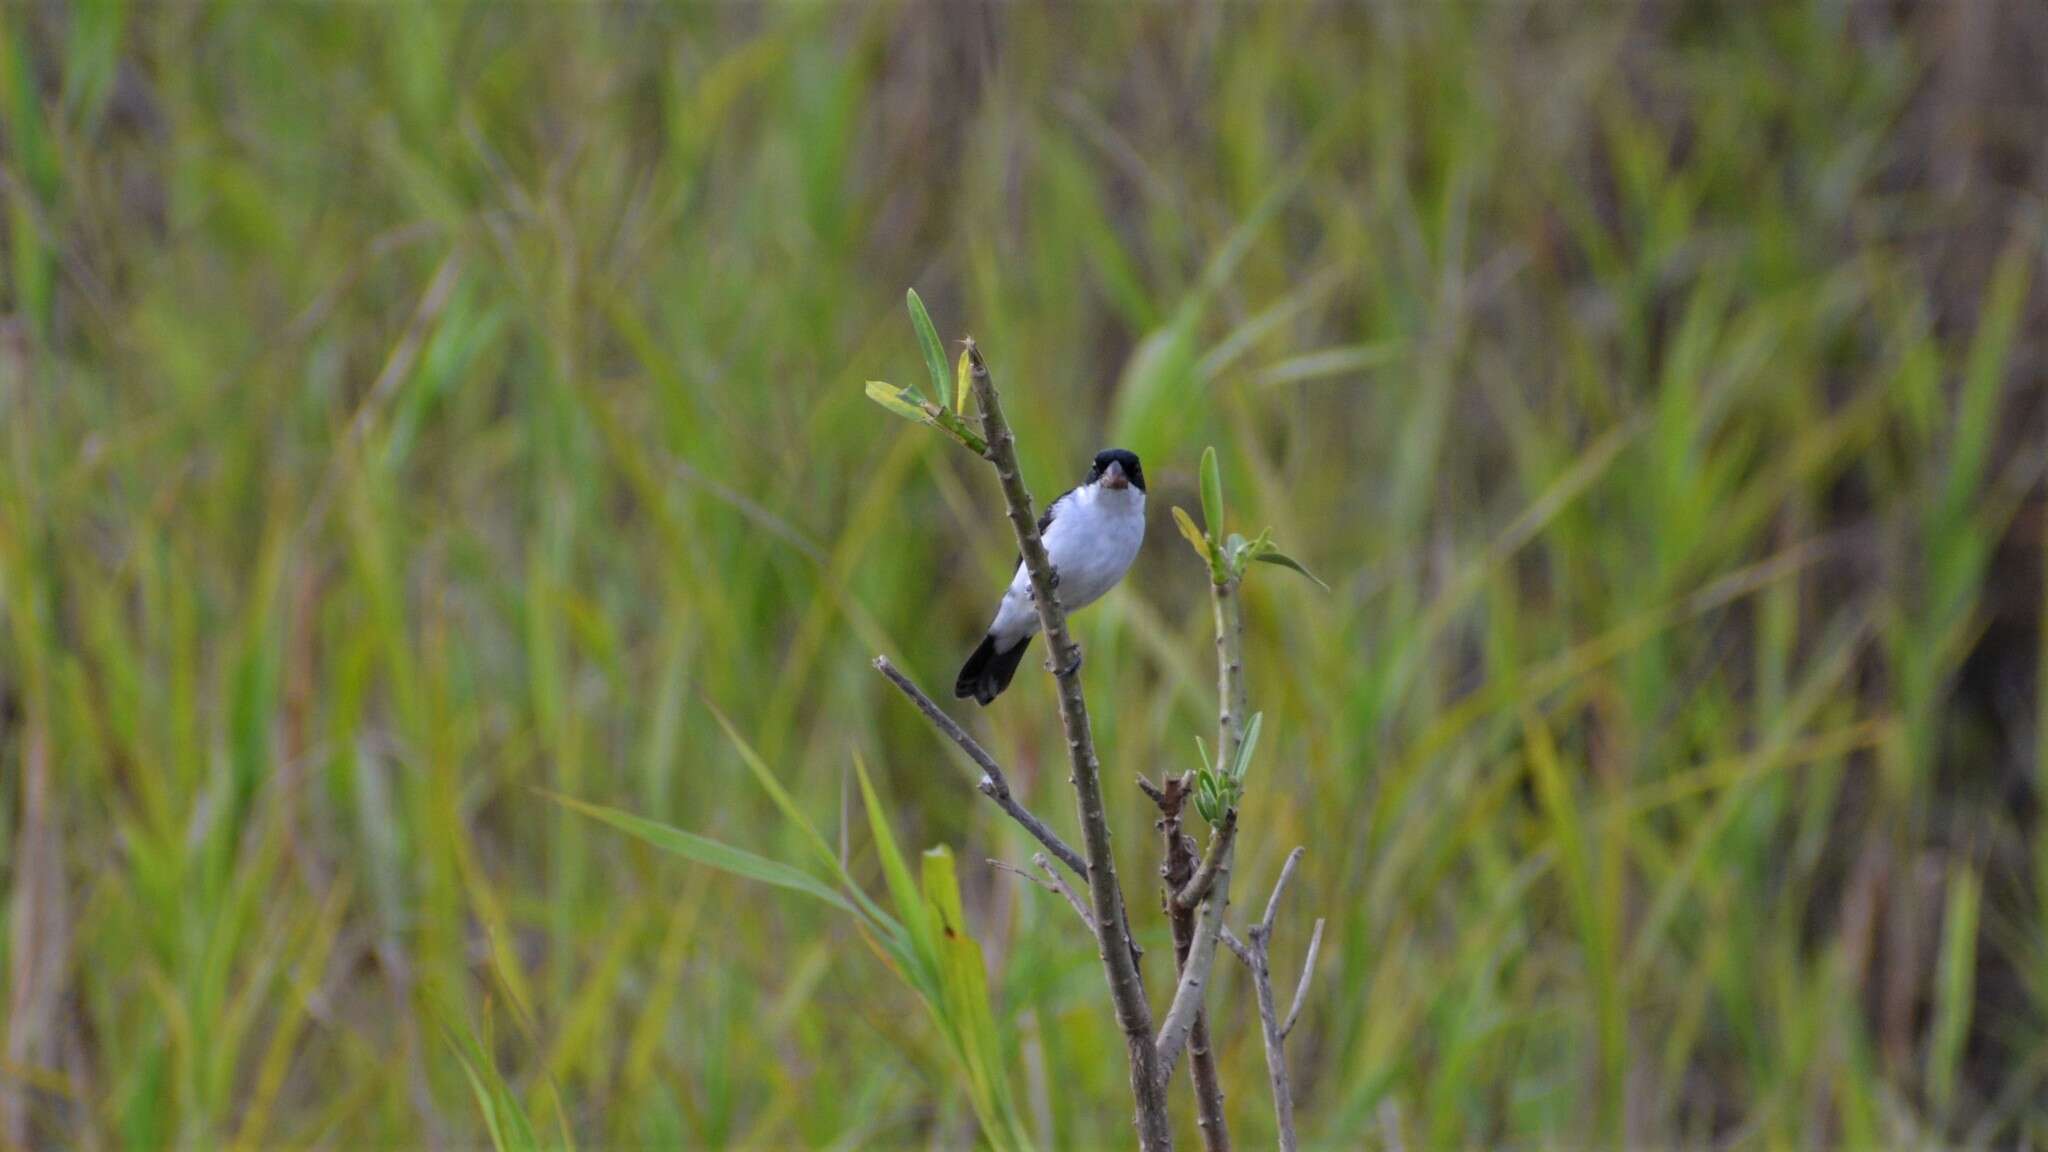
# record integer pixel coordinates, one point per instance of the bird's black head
(1127, 470)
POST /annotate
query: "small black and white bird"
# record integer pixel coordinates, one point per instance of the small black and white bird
(1092, 534)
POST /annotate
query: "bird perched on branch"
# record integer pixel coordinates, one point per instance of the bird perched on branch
(1092, 533)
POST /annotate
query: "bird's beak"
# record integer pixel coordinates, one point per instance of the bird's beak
(1113, 477)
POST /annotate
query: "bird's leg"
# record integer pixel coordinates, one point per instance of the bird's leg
(1052, 578)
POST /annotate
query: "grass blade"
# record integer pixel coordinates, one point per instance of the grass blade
(704, 850)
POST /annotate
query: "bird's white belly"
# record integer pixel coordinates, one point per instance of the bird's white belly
(1091, 545)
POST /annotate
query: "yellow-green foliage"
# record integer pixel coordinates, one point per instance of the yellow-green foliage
(413, 412)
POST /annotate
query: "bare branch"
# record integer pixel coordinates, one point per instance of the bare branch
(994, 784)
(1052, 882)
(943, 722)
(1276, 1054)
(1308, 971)
(1257, 956)
(1220, 842)
(1059, 882)
(1265, 926)
(1237, 947)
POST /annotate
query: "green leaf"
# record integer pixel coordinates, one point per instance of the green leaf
(908, 404)
(1208, 798)
(505, 1121)
(1190, 533)
(1204, 750)
(819, 848)
(1244, 749)
(928, 340)
(1275, 556)
(776, 792)
(1212, 500)
(703, 850)
(891, 397)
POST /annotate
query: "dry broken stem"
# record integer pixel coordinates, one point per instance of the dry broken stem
(1178, 871)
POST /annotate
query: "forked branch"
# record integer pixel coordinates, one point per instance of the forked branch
(1257, 956)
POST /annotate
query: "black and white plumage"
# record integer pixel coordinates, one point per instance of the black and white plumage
(1092, 534)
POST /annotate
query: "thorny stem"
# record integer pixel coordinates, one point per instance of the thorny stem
(1126, 983)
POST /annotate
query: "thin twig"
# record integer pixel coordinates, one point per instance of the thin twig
(1151, 790)
(994, 784)
(1052, 882)
(1059, 882)
(1308, 971)
(1265, 927)
(1257, 956)
(1237, 947)
(1276, 1053)
(1219, 846)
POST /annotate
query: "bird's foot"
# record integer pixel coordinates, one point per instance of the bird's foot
(1052, 578)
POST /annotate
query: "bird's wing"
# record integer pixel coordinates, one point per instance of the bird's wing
(1052, 510)
(1044, 522)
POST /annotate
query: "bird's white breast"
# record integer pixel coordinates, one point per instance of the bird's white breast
(1094, 536)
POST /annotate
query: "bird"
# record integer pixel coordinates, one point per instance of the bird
(1092, 533)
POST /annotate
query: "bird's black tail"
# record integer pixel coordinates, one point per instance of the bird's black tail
(988, 671)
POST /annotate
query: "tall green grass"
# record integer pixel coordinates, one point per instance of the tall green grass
(411, 411)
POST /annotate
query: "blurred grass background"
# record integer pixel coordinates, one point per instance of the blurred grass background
(405, 408)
